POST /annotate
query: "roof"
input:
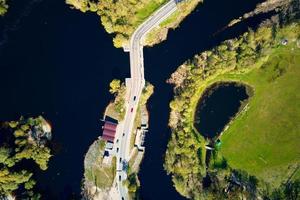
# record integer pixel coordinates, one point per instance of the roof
(109, 131)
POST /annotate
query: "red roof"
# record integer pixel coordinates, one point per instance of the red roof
(109, 131)
(107, 138)
(110, 126)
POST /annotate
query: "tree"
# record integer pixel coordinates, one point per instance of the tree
(21, 146)
(115, 86)
(30, 184)
(3, 7)
(4, 154)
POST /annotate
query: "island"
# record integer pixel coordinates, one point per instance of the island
(121, 18)
(255, 152)
(100, 162)
(24, 148)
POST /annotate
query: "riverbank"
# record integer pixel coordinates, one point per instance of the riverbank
(121, 18)
(239, 60)
(160, 33)
(100, 160)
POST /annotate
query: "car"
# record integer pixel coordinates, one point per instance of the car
(117, 150)
(119, 178)
(122, 198)
(120, 160)
(117, 140)
(134, 98)
(131, 109)
(123, 134)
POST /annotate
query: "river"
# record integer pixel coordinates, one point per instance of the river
(58, 62)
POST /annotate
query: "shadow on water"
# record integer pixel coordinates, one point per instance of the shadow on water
(194, 35)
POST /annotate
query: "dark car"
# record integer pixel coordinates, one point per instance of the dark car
(131, 110)
(117, 150)
(120, 159)
(134, 98)
(123, 134)
(119, 178)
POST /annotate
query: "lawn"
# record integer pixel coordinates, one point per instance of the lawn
(147, 10)
(264, 141)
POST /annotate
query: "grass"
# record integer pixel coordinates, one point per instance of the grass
(111, 112)
(264, 141)
(146, 11)
(136, 125)
(95, 171)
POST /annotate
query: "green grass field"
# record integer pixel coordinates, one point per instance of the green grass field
(264, 140)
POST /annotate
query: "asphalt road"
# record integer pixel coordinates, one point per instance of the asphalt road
(137, 83)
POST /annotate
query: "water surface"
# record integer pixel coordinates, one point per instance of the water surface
(218, 104)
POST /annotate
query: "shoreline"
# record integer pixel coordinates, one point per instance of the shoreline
(137, 150)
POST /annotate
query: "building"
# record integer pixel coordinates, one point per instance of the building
(109, 131)
(140, 139)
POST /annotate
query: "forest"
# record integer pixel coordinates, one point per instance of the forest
(23, 149)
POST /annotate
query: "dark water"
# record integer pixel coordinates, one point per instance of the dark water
(58, 62)
(194, 35)
(218, 104)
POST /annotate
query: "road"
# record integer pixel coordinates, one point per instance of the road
(137, 83)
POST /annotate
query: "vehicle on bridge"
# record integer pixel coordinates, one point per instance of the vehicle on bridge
(125, 165)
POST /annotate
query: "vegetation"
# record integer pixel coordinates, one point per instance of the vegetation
(259, 155)
(3, 7)
(132, 181)
(117, 109)
(257, 152)
(123, 17)
(21, 140)
(96, 172)
(146, 94)
(158, 34)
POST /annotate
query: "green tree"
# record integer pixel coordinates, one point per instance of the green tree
(115, 86)
(30, 184)
(3, 7)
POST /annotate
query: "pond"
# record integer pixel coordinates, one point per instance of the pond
(218, 104)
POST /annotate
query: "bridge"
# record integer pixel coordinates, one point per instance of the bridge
(135, 87)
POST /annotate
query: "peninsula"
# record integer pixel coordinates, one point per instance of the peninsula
(255, 155)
